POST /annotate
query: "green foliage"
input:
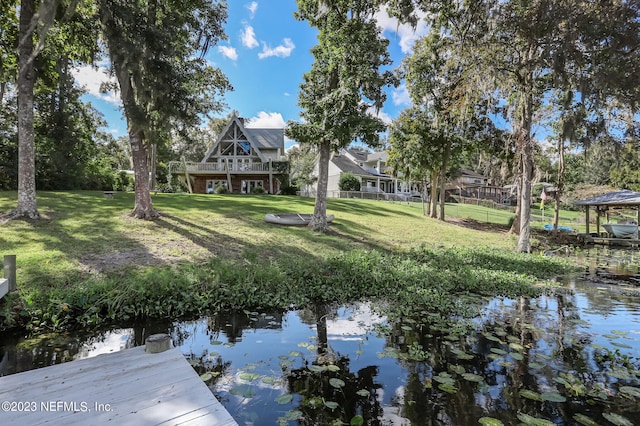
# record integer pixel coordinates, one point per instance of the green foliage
(349, 182)
(258, 190)
(222, 190)
(123, 181)
(627, 174)
(422, 280)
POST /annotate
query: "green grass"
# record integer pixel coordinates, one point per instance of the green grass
(87, 261)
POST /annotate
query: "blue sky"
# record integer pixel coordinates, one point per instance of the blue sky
(265, 56)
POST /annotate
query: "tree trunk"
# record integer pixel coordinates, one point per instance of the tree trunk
(143, 208)
(560, 186)
(319, 219)
(26, 140)
(443, 178)
(525, 146)
(433, 196)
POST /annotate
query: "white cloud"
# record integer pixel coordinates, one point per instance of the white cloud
(229, 52)
(90, 78)
(287, 94)
(386, 118)
(282, 51)
(267, 120)
(249, 37)
(253, 7)
(400, 96)
(405, 32)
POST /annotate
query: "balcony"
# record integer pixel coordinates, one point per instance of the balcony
(177, 167)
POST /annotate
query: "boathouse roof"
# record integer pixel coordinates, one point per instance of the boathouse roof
(617, 198)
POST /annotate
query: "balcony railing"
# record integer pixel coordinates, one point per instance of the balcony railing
(177, 167)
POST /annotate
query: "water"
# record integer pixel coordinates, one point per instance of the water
(569, 358)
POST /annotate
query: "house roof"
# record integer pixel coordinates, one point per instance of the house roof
(617, 198)
(381, 155)
(266, 138)
(346, 165)
(258, 138)
(469, 173)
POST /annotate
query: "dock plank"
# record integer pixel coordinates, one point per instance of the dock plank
(129, 387)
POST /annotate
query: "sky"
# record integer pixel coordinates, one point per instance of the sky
(265, 57)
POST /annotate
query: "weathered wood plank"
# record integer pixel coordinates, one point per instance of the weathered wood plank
(4, 287)
(130, 387)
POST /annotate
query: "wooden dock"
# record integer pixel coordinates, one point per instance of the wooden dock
(131, 387)
(607, 241)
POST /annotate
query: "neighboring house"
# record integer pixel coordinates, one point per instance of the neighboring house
(474, 185)
(372, 171)
(240, 159)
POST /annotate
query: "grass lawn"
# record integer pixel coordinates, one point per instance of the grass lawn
(85, 241)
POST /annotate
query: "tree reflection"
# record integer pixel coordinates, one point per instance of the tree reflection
(330, 390)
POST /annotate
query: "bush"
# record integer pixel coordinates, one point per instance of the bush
(258, 190)
(123, 181)
(349, 182)
(289, 190)
(222, 190)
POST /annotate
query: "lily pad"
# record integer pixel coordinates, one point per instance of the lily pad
(461, 354)
(458, 369)
(268, 380)
(472, 377)
(317, 368)
(517, 356)
(532, 421)
(498, 351)
(293, 415)
(584, 420)
(357, 420)
(248, 376)
(630, 391)
(447, 387)
(206, 376)
(621, 345)
(283, 399)
(553, 397)
(364, 393)
(516, 347)
(535, 365)
(617, 419)
(529, 394)
(333, 367)
(490, 421)
(331, 405)
(337, 383)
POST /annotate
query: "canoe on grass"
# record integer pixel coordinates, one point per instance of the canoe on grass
(291, 218)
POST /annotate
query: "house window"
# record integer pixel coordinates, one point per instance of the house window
(250, 185)
(244, 148)
(212, 185)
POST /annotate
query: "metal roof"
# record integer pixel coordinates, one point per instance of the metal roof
(266, 138)
(617, 198)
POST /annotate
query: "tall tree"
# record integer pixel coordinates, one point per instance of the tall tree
(343, 87)
(165, 84)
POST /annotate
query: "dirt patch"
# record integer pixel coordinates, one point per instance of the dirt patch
(478, 226)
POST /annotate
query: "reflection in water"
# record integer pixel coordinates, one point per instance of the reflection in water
(568, 358)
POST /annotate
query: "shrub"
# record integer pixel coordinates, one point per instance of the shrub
(222, 190)
(349, 182)
(289, 190)
(258, 190)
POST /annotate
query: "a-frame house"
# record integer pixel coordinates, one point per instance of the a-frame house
(241, 159)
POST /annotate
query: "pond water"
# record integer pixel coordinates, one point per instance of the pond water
(572, 358)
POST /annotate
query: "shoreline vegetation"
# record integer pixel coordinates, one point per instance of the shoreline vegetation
(87, 264)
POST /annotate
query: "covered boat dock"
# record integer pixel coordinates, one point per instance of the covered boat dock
(602, 205)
